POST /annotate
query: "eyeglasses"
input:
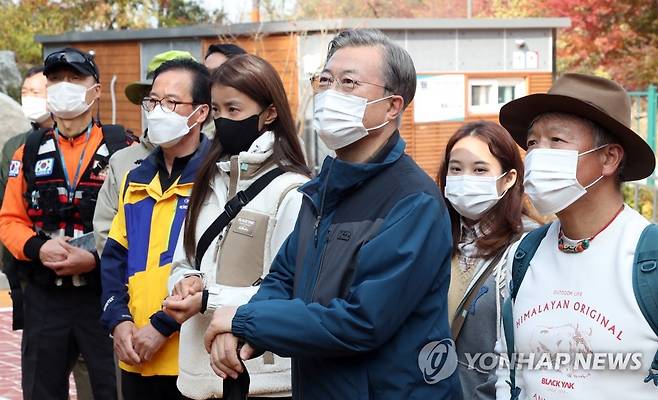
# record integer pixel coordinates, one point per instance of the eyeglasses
(322, 82)
(167, 105)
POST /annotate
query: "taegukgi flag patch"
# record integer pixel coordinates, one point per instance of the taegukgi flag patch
(44, 167)
(14, 168)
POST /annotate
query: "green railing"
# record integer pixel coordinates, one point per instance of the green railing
(643, 198)
(651, 97)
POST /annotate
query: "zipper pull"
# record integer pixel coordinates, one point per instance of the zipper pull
(315, 233)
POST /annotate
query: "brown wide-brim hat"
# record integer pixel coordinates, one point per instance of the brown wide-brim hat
(599, 100)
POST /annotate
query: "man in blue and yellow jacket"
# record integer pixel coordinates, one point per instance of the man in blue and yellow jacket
(153, 202)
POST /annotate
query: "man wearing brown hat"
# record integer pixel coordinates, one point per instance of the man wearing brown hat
(582, 289)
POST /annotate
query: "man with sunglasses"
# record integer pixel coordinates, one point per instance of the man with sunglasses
(153, 199)
(45, 222)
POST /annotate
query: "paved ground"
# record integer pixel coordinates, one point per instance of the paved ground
(10, 353)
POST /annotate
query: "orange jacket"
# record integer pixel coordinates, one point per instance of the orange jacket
(16, 227)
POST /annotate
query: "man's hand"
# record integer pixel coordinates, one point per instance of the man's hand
(182, 309)
(148, 342)
(222, 321)
(224, 356)
(187, 286)
(123, 335)
(53, 251)
(76, 262)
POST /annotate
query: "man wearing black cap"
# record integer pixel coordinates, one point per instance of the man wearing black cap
(46, 223)
(583, 288)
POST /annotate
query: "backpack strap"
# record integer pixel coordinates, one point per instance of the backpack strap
(473, 293)
(116, 137)
(645, 285)
(231, 210)
(522, 257)
(30, 154)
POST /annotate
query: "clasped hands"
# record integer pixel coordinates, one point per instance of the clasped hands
(220, 343)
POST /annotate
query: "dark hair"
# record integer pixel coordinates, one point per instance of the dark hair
(227, 49)
(33, 71)
(504, 220)
(200, 77)
(257, 79)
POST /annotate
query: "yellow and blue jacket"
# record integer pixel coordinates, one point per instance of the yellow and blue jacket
(137, 257)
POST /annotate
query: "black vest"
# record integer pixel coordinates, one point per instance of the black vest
(47, 193)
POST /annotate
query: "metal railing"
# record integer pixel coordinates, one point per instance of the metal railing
(643, 198)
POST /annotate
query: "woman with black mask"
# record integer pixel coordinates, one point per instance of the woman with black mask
(243, 207)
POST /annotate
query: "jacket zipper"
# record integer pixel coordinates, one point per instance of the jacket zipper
(221, 238)
(318, 218)
(317, 277)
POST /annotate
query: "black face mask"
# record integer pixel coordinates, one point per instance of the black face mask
(237, 136)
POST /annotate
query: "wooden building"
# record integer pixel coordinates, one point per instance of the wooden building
(467, 68)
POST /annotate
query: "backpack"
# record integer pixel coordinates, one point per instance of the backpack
(645, 287)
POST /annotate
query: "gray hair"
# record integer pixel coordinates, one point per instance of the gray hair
(398, 68)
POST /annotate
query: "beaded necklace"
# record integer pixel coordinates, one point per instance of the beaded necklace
(566, 245)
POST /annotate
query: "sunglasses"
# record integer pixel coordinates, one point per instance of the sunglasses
(69, 57)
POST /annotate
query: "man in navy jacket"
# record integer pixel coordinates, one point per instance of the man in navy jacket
(357, 294)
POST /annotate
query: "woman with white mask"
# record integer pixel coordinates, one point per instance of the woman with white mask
(480, 180)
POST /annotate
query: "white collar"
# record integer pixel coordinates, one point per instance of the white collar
(259, 151)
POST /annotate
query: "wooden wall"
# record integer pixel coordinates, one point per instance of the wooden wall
(120, 59)
(426, 141)
(280, 51)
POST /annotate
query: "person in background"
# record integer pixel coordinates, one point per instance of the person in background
(53, 181)
(216, 55)
(255, 137)
(153, 202)
(33, 102)
(357, 294)
(480, 178)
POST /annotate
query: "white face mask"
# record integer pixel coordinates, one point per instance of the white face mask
(35, 108)
(67, 100)
(472, 196)
(338, 118)
(167, 128)
(551, 179)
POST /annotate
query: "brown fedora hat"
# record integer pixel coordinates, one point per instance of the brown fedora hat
(597, 99)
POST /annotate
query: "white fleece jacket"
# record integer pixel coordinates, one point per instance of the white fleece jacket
(280, 201)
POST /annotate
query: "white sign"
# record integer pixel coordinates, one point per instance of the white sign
(440, 98)
(531, 60)
(518, 60)
(312, 64)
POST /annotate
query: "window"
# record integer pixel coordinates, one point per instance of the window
(487, 96)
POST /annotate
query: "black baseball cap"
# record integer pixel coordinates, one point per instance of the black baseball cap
(72, 58)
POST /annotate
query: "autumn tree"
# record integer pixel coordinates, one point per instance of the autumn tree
(617, 39)
(21, 20)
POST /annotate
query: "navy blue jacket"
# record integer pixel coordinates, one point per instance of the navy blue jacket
(360, 286)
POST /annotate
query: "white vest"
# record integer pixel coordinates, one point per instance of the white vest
(253, 237)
